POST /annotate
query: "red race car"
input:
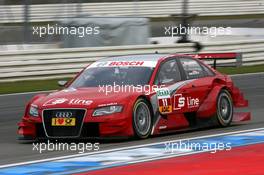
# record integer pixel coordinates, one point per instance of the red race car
(136, 95)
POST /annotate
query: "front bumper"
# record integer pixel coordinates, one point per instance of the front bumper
(116, 125)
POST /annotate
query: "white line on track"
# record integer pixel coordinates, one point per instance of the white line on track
(129, 147)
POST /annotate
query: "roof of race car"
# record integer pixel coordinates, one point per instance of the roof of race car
(143, 57)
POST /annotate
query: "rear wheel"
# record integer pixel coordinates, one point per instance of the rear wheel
(142, 120)
(224, 113)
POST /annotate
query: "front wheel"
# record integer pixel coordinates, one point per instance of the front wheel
(142, 121)
(224, 113)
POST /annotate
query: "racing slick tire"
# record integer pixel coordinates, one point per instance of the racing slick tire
(224, 113)
(142, 118)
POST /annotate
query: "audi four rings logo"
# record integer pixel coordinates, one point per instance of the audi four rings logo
(64, 114)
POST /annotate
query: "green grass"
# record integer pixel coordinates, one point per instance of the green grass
(28, 86)
(241, 70)
(44, 85)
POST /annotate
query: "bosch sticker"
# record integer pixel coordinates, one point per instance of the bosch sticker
(123, 64)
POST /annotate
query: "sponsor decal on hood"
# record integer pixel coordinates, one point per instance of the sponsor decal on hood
(73, 101)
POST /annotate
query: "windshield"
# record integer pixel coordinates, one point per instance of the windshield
(99, 76)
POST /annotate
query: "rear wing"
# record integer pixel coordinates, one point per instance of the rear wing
(219, 56)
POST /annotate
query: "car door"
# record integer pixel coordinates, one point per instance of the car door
(198, 84)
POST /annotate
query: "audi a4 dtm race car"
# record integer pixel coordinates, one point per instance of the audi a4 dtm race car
(136, 95)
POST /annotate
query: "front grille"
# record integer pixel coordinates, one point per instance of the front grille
(40, 130)
(63, 131)
(90, 130)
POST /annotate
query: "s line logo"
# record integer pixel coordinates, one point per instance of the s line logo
(180, 102)
(192, 102)
(55, 101)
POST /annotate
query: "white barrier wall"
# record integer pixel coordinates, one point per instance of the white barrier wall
(54, 63)
(52, 12)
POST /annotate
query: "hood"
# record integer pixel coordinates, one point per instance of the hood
(83, 98)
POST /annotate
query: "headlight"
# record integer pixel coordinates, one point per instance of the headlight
(33, 111)
(107, 110)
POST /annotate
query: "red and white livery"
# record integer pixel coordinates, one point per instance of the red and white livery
(136, 95)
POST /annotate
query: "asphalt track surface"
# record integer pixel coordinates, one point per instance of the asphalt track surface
(12, 108)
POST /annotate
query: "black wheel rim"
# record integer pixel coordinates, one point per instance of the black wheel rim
(225, 108)
(142, 118)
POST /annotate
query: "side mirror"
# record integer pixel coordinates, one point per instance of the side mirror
(62, 83)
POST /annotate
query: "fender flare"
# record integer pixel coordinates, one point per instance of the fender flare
(208, 107)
